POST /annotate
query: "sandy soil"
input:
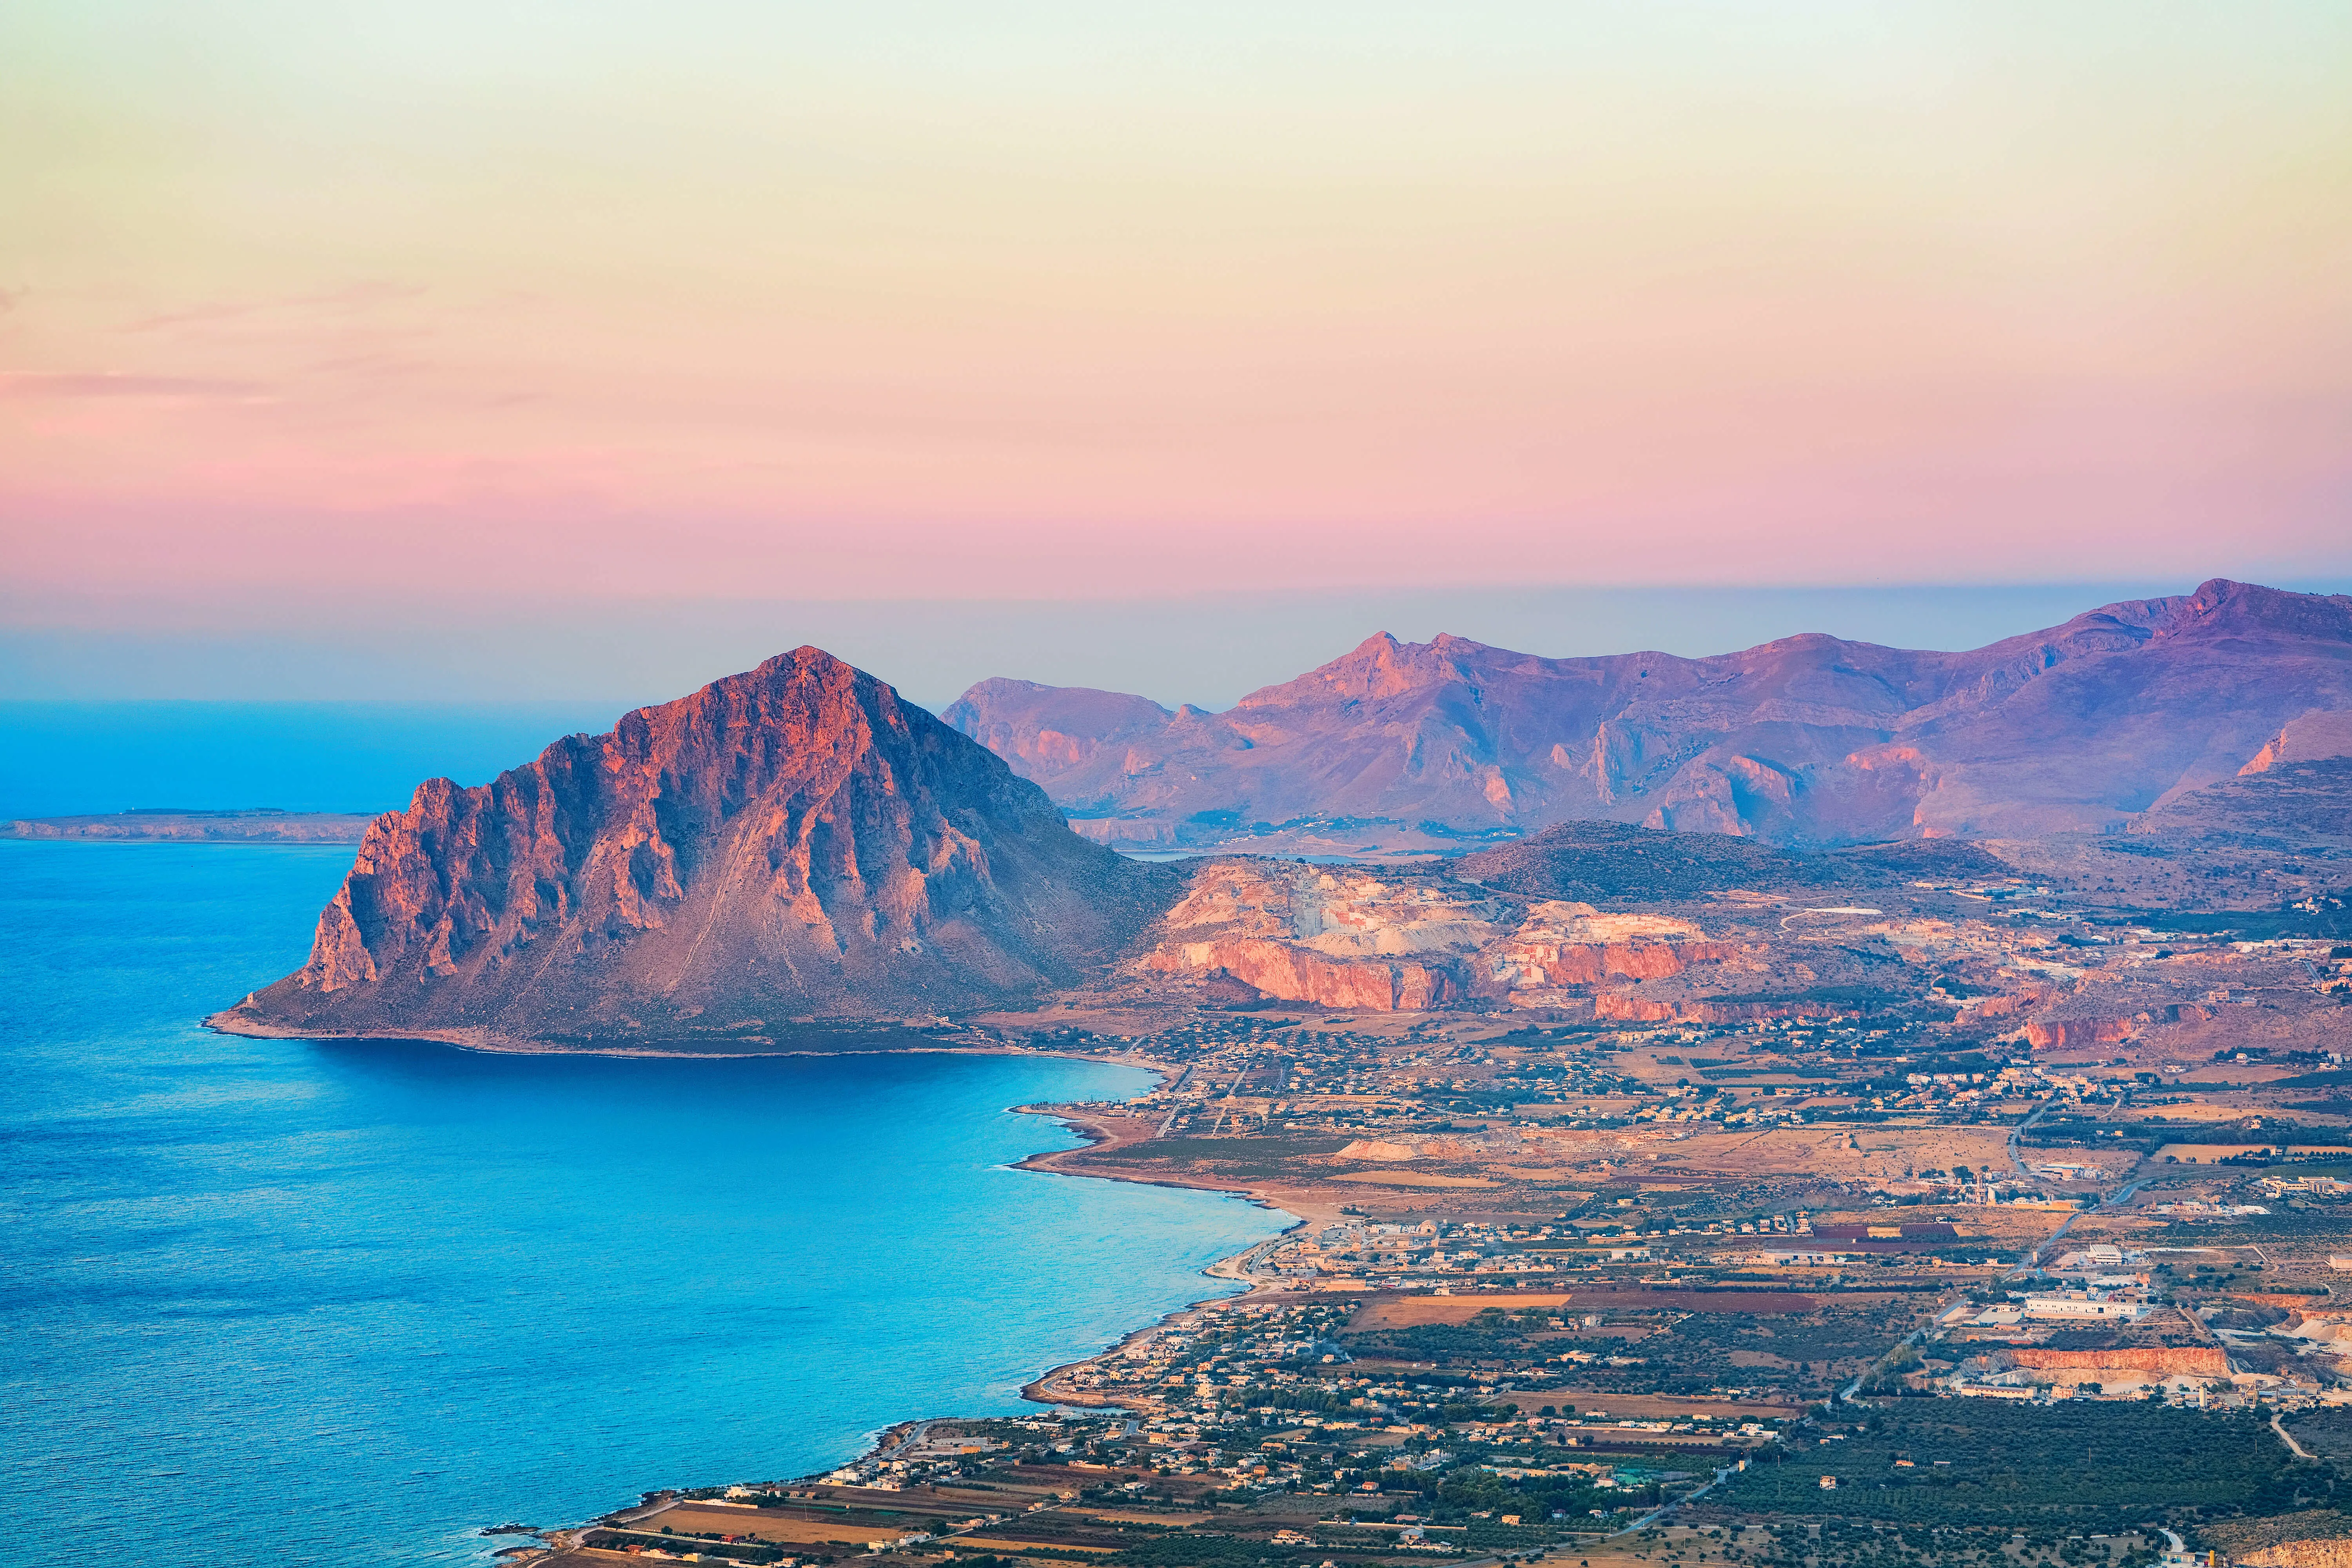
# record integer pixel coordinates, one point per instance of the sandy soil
(1404, 1312)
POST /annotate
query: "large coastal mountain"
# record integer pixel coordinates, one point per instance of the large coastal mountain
(1808, 740)
(792, 843)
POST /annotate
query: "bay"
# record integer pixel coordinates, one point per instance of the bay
(288, 1301)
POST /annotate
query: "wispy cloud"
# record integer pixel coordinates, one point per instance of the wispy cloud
(351, 299)
(83, 385)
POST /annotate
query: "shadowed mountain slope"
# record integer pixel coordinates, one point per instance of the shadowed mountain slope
(790, 844)
(1611, 862)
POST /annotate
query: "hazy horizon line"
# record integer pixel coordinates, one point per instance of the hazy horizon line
(1208, 649)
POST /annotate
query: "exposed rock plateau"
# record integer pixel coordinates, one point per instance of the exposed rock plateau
(1808, 740)
(793, 843)
(1407, 939)
(1335, 935)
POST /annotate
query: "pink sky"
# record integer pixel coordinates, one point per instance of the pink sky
(774, 301)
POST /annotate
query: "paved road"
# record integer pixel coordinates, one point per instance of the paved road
(1915, 1337)
(1228, 1108)
(1176, 1088)
(1665, 1508)
(2032, 1116)
(915, 1434)
(1240, 1266)
(2121, 1195)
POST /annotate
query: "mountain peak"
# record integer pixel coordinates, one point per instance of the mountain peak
(1378, 667)
(1809, 739)
(2221, 607)
(791, 841)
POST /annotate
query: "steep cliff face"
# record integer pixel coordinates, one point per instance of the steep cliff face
(1808, 740)
(791, 843)
(2081, 1030)
(2312, 737)
(1335, 936)
(2328, 1552)
(2201, 1361)
(1563, 943)
(1291, 973)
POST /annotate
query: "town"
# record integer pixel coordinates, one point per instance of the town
(1797, 1290)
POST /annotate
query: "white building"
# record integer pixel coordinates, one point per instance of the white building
(2073, 1307)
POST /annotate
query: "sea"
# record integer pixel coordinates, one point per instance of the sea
(287, 1302)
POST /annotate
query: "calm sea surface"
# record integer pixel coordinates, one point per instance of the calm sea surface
(277, 1301)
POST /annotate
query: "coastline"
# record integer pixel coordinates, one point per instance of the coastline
(228, 1021)
(1050, 1389)
(1233, 1267)
(1098, 1126)
(257, 827)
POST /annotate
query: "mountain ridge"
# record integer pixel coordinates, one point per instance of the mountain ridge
(1807, 739)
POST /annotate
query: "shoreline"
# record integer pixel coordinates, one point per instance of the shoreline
(1084, 1120)
(1074, 1117)
(1039, 1391)
(488, 1041)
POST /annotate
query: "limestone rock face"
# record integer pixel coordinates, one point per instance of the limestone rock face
(1290, 973)
(2326, 1552)
(2077, 1030)
(1807, 740)
(790, 843)
(2317, 734)
(1561, 944)
(1406, 938)
(2201, 1361)
(1337, 936)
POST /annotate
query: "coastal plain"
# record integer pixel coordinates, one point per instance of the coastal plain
(1617, 1258)
(1811, 1117)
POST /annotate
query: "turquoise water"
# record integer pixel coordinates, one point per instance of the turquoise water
(282, 1302)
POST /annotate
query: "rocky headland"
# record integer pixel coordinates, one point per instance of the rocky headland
(793, 845)
(256, 824)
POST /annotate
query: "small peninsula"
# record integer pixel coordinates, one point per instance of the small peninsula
(174, 825)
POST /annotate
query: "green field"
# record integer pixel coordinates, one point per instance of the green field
(2093, 1465)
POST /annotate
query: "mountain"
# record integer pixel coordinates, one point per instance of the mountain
(1610, 862)
(1808, 740)
(792, 843)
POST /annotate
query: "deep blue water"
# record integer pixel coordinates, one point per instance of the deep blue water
(62, 758)
(283, 1301)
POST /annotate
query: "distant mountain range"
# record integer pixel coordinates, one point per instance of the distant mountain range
(789, 844)
(795, 848)
(1810, 741)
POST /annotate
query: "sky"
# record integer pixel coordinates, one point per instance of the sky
(446, 348)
